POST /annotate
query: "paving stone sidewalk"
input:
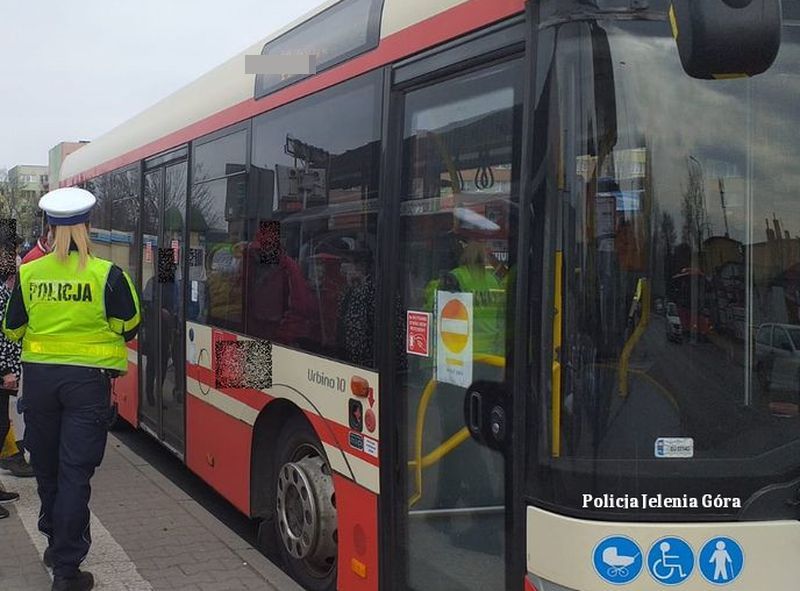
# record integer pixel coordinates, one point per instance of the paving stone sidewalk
(148, 535)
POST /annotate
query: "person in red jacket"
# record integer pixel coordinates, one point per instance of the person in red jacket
(41, 248)
(280, 304)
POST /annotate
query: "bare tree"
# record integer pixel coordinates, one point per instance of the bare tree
(695, 217)
(668, 237)
(18, 202)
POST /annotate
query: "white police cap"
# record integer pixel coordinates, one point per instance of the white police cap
(67, 206)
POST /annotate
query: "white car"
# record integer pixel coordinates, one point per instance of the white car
(778, 359)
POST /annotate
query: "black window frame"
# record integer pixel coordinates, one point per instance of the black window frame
(135, 170)
(245, 126)
(260, 90)
(375, 79)
(165, 157)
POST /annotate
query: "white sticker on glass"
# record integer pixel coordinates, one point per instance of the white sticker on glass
(674, 447)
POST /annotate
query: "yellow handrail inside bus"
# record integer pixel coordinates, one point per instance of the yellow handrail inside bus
(643, 295)
(419, 462)
(663, 390)
(556, 370)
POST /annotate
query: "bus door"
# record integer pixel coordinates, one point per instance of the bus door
(458, 181)
(162, 375)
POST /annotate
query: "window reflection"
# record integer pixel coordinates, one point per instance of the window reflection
(310, 270)
(124, 221)
(457, 233)
(100, 221)
(680, 230)
(217, 239)
(153, 356)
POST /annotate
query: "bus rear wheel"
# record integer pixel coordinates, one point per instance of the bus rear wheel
(305, 503)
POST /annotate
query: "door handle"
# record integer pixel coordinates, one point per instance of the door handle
(486, 414)
(475, 412)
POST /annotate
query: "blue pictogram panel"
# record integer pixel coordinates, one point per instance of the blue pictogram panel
(721, 560)
(617, 560)
(670, 561)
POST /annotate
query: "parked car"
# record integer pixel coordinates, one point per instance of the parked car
(778, 360)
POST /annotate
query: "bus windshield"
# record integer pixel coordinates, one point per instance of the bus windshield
(674, 217)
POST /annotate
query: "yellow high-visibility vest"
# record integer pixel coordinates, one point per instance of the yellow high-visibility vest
(67, 322)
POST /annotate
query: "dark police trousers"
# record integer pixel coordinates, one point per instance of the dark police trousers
(67, 411)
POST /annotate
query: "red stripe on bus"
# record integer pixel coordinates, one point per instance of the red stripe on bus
(329, 431)
(438, 29)
(219, 455)
(255, 399)
(357, 513)
(125, 394)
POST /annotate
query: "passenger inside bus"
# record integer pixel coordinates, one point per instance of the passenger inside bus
(224, 285)
(280, 305)
(477, 276)
(155, 343)
(356, 312)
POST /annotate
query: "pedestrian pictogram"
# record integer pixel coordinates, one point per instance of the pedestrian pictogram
(454, 342)
(670, 561)
(721, 560)
(617, 560)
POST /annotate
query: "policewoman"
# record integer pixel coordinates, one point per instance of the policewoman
(73, 312)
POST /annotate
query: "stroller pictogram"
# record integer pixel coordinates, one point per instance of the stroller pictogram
(617, 564)
(617, 560)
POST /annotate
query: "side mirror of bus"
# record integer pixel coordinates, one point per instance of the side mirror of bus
(726, 38)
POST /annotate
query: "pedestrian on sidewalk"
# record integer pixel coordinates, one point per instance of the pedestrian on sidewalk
(9, 355)
(12, 456)
(74, 312)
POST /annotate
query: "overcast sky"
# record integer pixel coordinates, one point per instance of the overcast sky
(74, 70)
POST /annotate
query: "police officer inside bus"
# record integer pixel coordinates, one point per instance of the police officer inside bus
(73, 312)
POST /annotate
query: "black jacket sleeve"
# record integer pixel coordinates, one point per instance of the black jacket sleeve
(16, 318)
(122, 301)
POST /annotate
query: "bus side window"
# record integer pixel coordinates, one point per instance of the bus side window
(316, 164)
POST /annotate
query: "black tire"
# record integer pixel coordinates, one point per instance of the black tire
(298, 443)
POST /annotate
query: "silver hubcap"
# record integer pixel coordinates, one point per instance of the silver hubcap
(307, 513)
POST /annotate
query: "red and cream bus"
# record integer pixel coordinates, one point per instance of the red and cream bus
(402, 309)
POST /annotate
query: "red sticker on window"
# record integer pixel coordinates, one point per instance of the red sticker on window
(418, 330)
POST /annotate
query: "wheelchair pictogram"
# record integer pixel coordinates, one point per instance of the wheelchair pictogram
(670, 561)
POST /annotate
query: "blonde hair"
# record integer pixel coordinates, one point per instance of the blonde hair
(65, 235)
